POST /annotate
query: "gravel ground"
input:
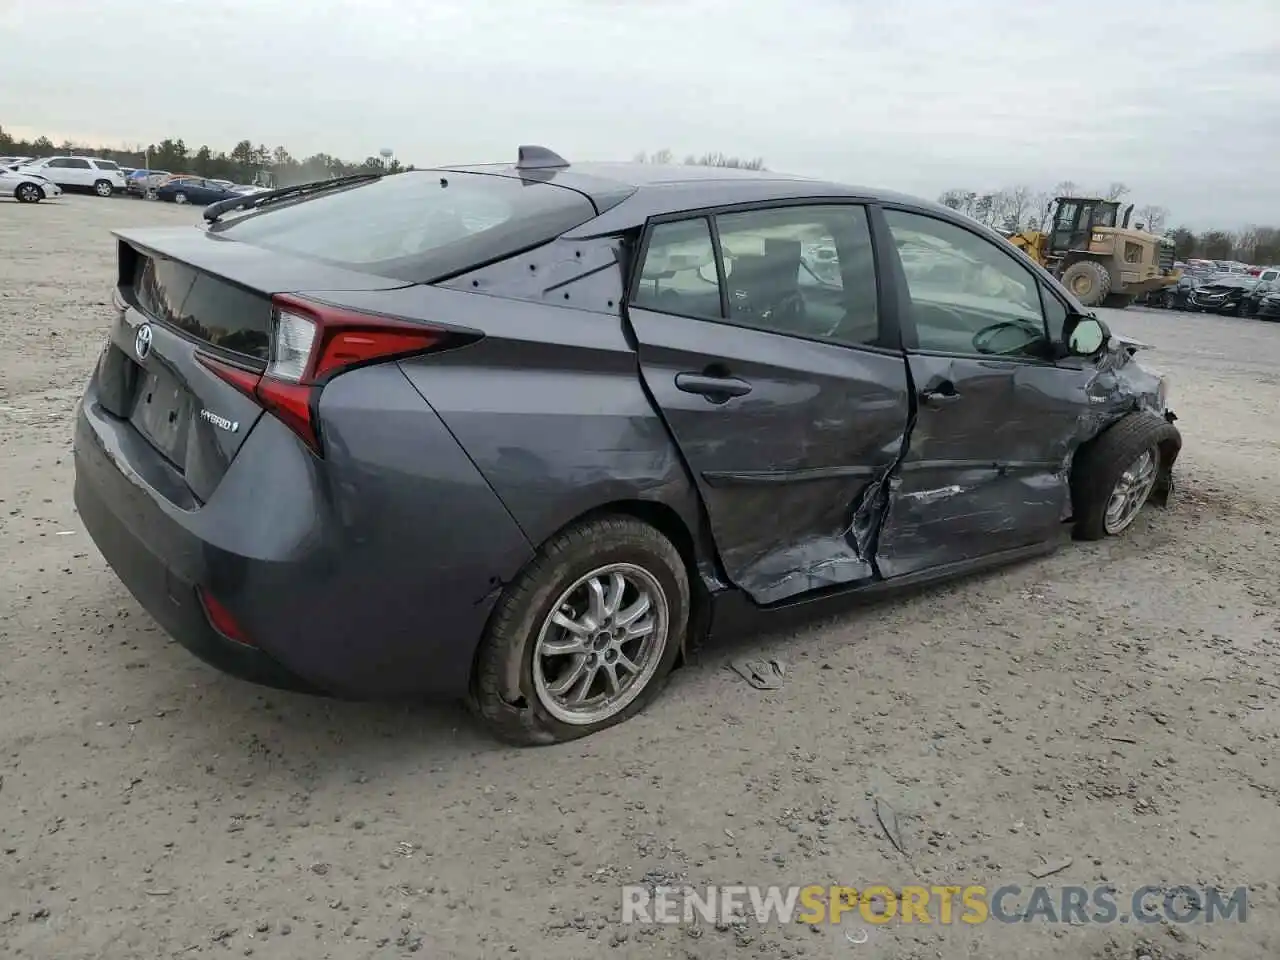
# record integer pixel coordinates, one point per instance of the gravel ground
(1114, 703)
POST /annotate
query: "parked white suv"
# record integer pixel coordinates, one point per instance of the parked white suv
(103, 177)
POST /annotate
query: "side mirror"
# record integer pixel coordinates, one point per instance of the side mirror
(1087, 337)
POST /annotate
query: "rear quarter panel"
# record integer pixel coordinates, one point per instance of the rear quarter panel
(549, 405)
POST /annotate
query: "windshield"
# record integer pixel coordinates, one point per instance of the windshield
(418, 226)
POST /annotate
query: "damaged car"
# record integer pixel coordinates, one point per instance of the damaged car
(1226, 294)
(527, 433)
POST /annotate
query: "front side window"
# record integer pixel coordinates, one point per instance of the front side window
(1067, 214)
(106, 165)
(967, 295)
(1055, 315)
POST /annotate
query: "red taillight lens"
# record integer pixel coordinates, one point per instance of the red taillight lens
(221, 619)
(310, 344)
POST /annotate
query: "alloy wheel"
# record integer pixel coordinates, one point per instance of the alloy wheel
(601, 645)
(1131, 491)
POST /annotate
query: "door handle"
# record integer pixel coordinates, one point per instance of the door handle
(715, 389)
(942, 393)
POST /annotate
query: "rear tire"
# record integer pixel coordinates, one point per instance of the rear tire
(179, 197)
(524, 702)
(1089, 281)
(103, 188)
(1115, 464)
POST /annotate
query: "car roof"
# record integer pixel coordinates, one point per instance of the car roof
(628, 194)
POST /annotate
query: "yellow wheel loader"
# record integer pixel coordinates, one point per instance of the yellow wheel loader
(1092, 250)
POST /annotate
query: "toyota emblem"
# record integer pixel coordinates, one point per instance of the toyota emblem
(142, 342)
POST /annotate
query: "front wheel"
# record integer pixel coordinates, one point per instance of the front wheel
(103, 188)
(179, 198)
(28, 193)
(1113, 476)
(1089, 281)
(586, 635)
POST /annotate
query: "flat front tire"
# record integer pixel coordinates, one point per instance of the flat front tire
(1114, 475)
(585, 636)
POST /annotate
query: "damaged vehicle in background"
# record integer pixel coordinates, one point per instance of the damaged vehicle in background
(1224, 293)
(1269, 304)
(27, 187)
(526, 433)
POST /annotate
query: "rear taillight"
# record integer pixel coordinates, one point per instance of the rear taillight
(311, 343)
(220, 619)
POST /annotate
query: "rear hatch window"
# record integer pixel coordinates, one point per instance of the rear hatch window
(202, 306)
(420, 226)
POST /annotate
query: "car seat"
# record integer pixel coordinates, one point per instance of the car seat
(766, 287)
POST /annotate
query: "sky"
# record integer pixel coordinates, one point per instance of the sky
(1179, 100)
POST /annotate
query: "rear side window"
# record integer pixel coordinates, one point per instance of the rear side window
(421, 226)
(803, 270)
(806, 271)
(679, 272)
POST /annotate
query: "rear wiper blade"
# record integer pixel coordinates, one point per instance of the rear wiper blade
(251, 201)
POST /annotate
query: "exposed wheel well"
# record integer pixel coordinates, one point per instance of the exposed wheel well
(1170, 446)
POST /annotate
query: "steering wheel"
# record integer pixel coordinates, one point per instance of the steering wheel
(982, 340)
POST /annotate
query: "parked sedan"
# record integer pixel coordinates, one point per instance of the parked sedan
(1253, 299)
(1176, 297)
(1269, 306)
(1224, 293)
(27, 187)
(521, 433)
(139, 182)
(192, 190)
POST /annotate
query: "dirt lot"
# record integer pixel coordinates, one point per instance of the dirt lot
(1117, 704)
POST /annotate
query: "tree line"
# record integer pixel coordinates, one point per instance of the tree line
(666, 158)
(1013, 209)
(245, 163)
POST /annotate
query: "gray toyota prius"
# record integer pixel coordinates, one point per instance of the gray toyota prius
(526, 433)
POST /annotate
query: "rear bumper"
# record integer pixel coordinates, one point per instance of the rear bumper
(369, 575)
(171, 601)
